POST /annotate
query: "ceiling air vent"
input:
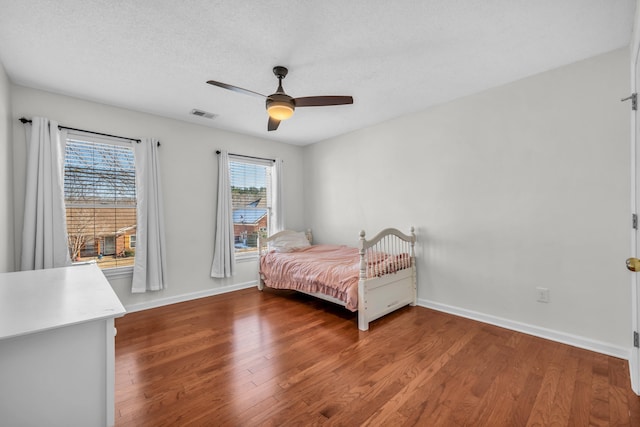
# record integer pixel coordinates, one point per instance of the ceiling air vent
(204, 114)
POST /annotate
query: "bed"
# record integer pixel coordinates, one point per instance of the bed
(374, 278)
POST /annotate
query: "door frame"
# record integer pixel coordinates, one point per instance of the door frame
(634, 357)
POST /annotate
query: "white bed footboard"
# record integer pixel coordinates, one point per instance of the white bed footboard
(387, 274)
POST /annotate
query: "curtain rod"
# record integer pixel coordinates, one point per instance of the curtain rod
(248, 157)
(24, 121)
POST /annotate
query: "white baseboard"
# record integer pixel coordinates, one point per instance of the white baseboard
(188, 297)
(550, 334)
(633, 372)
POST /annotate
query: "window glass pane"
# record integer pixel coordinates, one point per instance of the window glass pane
(251, 200)
(100, 201)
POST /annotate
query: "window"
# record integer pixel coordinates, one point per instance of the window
(251, 194)
(100, 199)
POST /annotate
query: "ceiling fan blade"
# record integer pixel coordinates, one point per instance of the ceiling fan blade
(273, 124)
(319, 101)
(236, 88)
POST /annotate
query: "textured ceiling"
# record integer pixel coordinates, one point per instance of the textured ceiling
(393, 57)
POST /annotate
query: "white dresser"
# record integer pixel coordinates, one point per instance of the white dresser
(57, 347)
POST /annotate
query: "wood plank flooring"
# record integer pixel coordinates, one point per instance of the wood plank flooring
(275, 358)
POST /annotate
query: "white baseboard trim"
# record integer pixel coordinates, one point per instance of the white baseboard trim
(188, 297)
(633, 372)
(550, 334)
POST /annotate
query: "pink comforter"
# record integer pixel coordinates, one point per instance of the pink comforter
(328, 269)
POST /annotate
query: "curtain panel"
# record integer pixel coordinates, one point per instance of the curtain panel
(149, 270)
(223, 249)
(277, 223)
(44, 233)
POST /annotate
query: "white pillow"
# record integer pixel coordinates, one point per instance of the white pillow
(290, 242)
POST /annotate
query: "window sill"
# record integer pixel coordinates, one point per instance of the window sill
(247, 258)
(110, 273)
(118, 272)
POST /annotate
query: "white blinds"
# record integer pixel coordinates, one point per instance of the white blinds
(251, 193)
(97, 172)
(100, 198)
(250, 182)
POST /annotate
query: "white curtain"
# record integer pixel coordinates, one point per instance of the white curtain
(223, 250)
(277, 218)
(44, 234)
(149, 270)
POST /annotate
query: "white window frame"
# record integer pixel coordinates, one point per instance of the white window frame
(253, 255)
(113, 272)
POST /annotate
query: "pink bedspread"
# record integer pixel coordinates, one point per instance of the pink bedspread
(328, 269)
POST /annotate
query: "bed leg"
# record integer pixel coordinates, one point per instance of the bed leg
(260, 284)
(414, 283)
(363, 325)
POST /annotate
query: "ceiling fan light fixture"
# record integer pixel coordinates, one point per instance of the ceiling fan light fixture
(280, 111)
(280, 106)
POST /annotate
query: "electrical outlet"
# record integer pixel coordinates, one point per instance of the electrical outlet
(543, 294)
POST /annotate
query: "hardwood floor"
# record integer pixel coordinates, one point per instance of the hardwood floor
(275, 358)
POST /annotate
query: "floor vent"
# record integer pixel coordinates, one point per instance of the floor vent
(204, 114)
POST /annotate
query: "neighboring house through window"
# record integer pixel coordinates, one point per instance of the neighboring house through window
(252, 194)
(100, 199)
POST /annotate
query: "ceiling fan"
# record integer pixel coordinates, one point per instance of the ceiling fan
(281, 106)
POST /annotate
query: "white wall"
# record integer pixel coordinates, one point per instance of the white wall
(6, 176)
(189, 175)
(521, 186)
